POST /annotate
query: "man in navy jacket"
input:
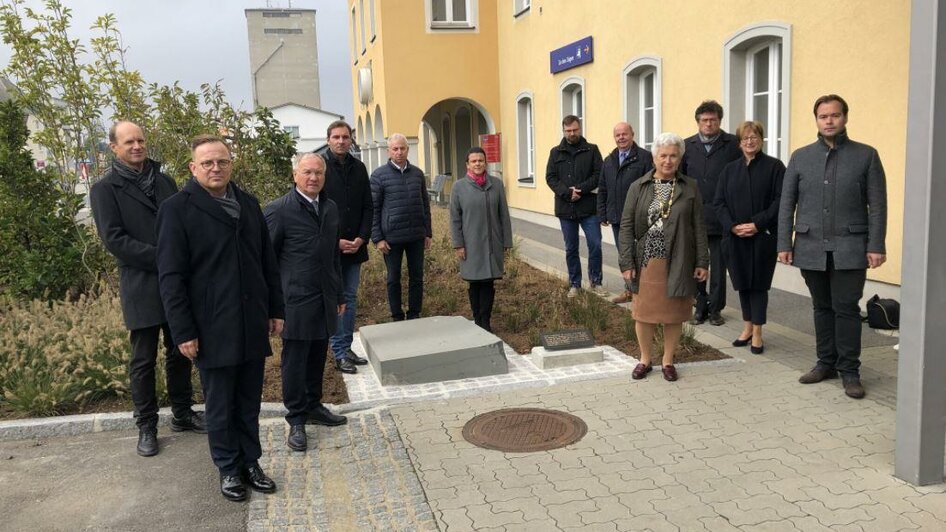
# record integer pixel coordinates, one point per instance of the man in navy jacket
(303, 227)
(220, 286)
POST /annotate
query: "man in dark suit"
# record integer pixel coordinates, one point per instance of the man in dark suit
(125, 206)
(707, 153)
(346, 184)
(220, 285)
(834, 199)
(303, 227)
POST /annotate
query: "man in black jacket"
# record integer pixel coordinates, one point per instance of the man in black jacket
(220, 285)
(346, 184)
(707, 153)
(401, 225)
(626, 164)
(125, 206)
(303, 227)
(572, 173)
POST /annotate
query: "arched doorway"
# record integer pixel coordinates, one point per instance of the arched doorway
(449, 129)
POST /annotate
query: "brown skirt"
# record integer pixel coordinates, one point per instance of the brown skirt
(651, 304)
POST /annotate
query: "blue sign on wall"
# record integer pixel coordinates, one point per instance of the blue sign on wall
(572, 55)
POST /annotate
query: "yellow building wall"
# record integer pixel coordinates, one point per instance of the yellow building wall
(858, 49)
(414, 69)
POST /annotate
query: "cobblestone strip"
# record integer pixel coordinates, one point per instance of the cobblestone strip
(355, 477)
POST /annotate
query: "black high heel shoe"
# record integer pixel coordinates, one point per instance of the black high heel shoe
(757, 350)
(741, 343)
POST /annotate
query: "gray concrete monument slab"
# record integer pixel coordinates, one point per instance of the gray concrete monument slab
(432, 349)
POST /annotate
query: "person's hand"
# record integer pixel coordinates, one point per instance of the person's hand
(461, 253)
(874, 260)
(275, 326)
(384, 247)
(344, 246)
(701, 274)
(604, 223)
(785, 257)
(189, 349)
(576, 194)
(341, 309)
(629, 274)
(427, 242)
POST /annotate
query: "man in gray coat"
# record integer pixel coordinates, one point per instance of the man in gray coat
(125, 207)
(836, 194)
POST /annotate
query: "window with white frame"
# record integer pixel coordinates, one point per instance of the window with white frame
(371, 11)
(764, 92)
(451, 13)
(292, 130)
(756, 68)
(642, 91)
(520, 6)
(354, 35)
(573, 99)
(525, 141)
(364, 42)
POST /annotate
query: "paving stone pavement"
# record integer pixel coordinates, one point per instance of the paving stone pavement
(735, 447)
(354, 477)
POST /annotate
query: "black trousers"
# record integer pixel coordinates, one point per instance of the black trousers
(713, 301)
(754, 304)
(232, 396)
(482, 293)
(835, 296)
(141, 375)
(415, 278)
(303, 365)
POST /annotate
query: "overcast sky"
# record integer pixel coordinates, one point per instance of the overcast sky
(198, 41)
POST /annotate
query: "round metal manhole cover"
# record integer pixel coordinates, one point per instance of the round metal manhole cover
(523, 430)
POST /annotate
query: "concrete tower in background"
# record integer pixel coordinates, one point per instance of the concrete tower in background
(284, 59)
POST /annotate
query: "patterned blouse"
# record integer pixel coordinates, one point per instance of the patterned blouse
(654, 245)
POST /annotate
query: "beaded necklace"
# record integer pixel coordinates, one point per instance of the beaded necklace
(665, 206)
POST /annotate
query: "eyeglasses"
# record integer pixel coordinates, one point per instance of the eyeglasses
(750, 139)
(223, 164)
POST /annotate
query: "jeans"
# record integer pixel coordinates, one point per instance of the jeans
(835, 296)
(415, 275)
(592, 229)
(341, 340)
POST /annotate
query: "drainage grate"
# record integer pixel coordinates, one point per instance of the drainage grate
(523, 430)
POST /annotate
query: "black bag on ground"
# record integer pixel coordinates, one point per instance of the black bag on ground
(883, 313)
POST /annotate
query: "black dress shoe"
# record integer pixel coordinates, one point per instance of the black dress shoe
(853, 387)
(297, 440)
(716, 319)
(258, 480)
(698, 319)
(147, 441)
(232, 488)
(345, 365)
(323, 416)
(357, 360)
(193, 422)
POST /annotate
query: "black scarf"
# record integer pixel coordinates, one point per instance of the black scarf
(144, 179)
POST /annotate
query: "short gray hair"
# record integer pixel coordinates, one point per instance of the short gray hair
(297, 160)
(664, 140)
(395, 137)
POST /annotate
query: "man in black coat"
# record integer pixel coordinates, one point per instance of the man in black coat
(220, 285)
(346, 184)
(572, 173)
(125, 206)
(303, 227)
(626, 164)
(707, 153)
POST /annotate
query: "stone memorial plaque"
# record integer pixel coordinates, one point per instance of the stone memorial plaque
(558, 340)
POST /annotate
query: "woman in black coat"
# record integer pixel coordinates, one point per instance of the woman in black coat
(746, 203)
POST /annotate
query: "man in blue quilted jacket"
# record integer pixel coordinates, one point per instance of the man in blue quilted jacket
(401, 225)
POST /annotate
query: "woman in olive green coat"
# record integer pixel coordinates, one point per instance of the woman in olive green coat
(664, 251)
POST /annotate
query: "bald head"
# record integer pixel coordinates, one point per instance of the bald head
(127, 142)
(623, 136)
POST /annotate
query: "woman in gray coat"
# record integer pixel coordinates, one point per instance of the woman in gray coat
(481, 232)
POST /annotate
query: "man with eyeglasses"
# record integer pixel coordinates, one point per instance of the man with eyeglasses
(707, 153)
(834, 202)
(221, 288)
(125, 206)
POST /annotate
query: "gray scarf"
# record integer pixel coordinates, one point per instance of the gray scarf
(144, 179)
(230, 203)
